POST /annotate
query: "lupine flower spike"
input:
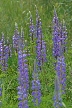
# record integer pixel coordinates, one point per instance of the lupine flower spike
(32, 28)
(4, 54)
(56, 49)
(23, 79)
(61, 72)
(16, 38)
(57, 94)
(36, 87)
(32, 32)
(41, 45)
(59, 38)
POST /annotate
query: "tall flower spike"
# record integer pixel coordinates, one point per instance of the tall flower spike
(56, 46)
(61, 72)
(59, 37)
(23, 80)
(3, 54)
(57, 94)
(40, 44)
(36, 86)
(16, 38)
(32, 28)
(1, 48)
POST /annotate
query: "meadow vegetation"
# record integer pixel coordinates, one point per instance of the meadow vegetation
(18, 12)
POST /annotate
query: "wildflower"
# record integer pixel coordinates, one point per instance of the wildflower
(59, 37)
(23, 80)
(59, 44)
(36, 86)
(16, 38)
(61, 72)
(56, 38)
(40, 44)
(4, 54)
(57, 94)
(32, 29)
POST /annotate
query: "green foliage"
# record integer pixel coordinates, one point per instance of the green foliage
(12, 11)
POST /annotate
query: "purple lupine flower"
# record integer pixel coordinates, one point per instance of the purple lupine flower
(32, 29)
(16, 39)
(64, 36)
(57, 94)
(23, 80)
(59, 37)
(1, 51)
(41, 46)
(3, 54)
(61, 72)
(36, 87)
(38, 24)
(2, 42)
(5, 58)
(44, 59)
(56, 38)
(59, 44)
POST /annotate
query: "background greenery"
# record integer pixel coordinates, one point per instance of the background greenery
(12, 11)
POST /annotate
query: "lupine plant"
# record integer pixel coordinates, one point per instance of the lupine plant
(57, 94)
(23, 79)
(40, 44)
(4, 54)
(32, 29)
(61, 72)
(39, 92)
(59, 40)
(16, 38)
(59, 37)
(56, 48)
(36, 86)
(32, 32)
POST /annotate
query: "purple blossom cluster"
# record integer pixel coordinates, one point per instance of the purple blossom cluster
(59, 48)
(57, 94)
(5, 52)
(36, 87)
(61, 72)
(59, 37)
(16, 39)
(32, 29)
(23, 80)
(40, 43)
